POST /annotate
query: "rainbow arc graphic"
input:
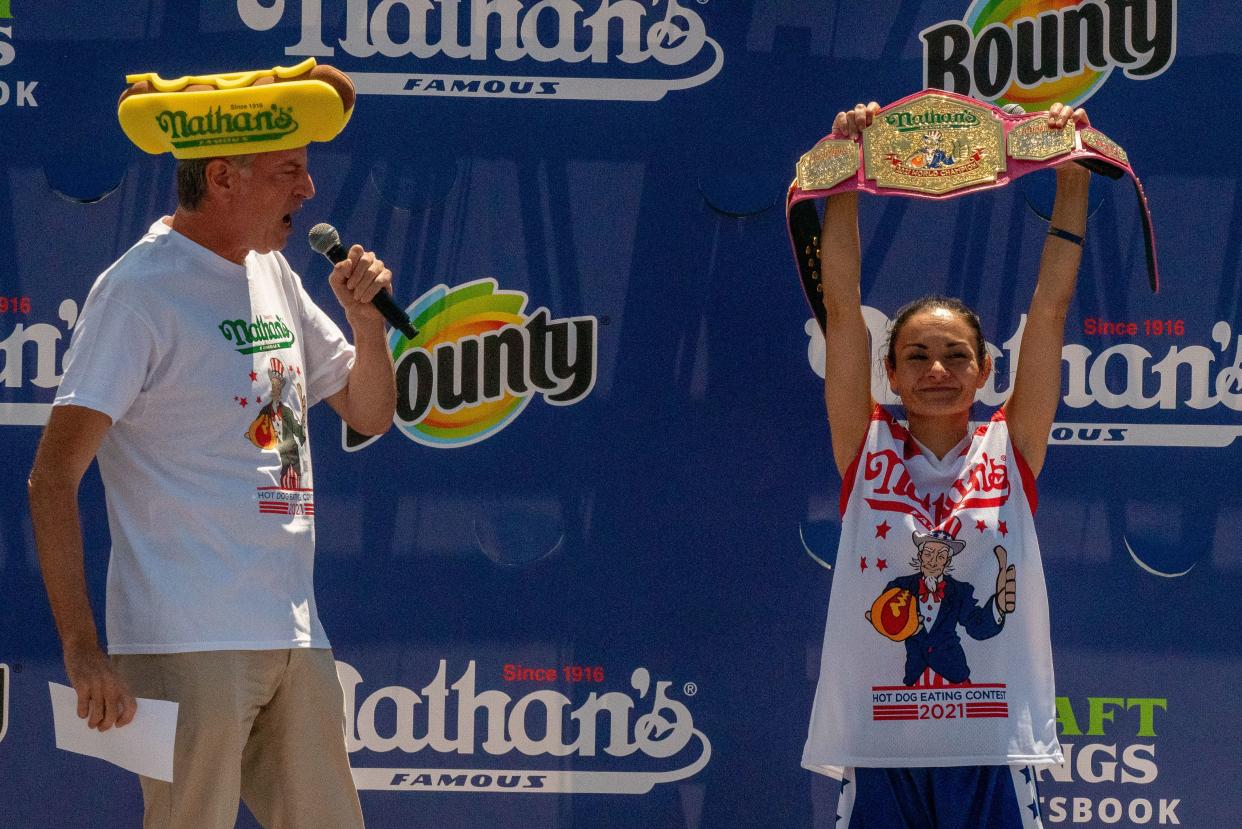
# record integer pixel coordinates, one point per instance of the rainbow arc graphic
(442, 316)
(1071, 90)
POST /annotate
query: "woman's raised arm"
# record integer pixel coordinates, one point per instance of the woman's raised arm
(847, 357)
(1032, 406)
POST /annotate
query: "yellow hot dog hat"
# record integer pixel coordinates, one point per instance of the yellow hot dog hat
(236, 113)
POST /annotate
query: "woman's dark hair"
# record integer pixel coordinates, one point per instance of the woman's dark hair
(934, 301)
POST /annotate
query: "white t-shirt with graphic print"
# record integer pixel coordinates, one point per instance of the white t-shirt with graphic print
(208, 480)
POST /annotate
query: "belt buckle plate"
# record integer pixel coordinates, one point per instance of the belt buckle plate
(934, 144)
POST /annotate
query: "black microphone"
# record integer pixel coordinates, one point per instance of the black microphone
(324, 239)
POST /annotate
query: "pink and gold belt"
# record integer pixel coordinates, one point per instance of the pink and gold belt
(940, 145)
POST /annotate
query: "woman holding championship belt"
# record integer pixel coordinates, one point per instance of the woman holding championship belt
(936, 697)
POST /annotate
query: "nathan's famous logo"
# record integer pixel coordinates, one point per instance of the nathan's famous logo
(573, 49)
(19, 93)
(1036, 52)
(1162, 375)
(536, 738)
(1108, 742)
(478, 360)
(215, 126)
(268, 334)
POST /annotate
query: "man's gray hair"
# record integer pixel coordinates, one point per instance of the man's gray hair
(192, 177)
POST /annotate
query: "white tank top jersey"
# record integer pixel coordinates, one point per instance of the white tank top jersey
(919, 666)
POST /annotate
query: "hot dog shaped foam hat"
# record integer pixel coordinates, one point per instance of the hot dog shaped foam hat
(236, 113)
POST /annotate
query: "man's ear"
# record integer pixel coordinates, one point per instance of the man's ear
(221, 177)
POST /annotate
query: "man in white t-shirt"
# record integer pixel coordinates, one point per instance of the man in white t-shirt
(192, 366)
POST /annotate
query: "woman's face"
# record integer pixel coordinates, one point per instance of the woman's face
(937, 371)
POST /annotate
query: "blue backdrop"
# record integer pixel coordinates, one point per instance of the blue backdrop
(604, 608)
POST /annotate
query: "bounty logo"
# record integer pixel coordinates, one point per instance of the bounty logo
(467, 739)
(1036, 52)
(618, 50)
(478, 360)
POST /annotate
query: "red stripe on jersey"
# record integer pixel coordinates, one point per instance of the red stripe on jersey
(1024, 469)
(851, 472)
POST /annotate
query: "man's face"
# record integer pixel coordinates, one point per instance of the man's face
(933, 558)
(270, 190)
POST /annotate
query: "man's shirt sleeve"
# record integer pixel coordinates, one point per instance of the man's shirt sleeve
(110, 358)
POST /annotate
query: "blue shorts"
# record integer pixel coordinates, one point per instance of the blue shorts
(952, 797)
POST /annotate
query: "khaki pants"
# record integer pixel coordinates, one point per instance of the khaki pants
(267, 726)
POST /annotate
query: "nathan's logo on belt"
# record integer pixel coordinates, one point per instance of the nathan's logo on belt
(618, 50)
(218, 127)
(906, 120)
(478, 360)
(934, 145)
(1036, 52)
(269, 334)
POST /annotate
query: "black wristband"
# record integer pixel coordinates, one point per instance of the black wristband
(1053, 230)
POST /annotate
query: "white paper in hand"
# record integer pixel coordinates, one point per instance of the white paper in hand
(145, 746)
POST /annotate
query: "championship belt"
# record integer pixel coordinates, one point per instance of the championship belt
(940, 145)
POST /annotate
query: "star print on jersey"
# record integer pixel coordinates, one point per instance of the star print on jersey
(981, 525)
(881, 530)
